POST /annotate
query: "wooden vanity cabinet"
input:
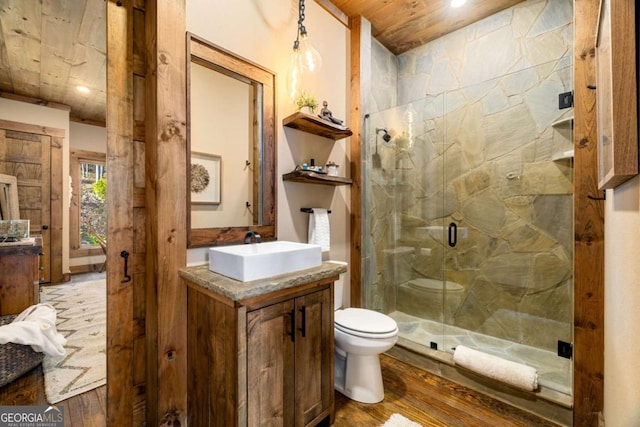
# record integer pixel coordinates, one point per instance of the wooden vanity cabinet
(265, 361)
(19, 276)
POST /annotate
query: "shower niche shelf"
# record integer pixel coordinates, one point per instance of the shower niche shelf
(317, 126)
(311, 177)
(567, 121)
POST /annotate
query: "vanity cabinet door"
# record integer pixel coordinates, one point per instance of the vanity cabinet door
(270, 364)
(314, 348)
(290, 361)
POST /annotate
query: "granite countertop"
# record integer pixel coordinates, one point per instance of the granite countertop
(237, 291)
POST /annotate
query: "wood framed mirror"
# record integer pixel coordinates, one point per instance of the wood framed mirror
(231, 143)
(9, 208)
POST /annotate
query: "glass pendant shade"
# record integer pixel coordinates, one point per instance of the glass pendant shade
(311, 59)
(294, 75)
(409, 118)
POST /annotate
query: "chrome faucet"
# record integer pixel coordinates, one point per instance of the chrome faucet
(249, 235)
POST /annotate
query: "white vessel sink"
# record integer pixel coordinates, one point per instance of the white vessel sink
(260, 260)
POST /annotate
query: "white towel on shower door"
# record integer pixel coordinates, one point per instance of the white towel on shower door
(319, 231)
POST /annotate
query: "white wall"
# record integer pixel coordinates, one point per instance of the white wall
(622, 306)
(87, 137)
(51, 117)
(263, 32)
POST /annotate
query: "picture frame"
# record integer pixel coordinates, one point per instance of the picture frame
(205, 179)
(616, 103)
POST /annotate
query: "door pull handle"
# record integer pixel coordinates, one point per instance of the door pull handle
(292, 334)
(453, 234)
(303, 329)
(125, 255)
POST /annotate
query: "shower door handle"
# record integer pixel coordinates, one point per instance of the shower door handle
(453, 234)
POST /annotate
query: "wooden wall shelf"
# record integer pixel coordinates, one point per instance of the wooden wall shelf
(310, 177)
(316, 125)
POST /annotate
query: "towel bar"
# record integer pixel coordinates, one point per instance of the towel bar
(310, 210)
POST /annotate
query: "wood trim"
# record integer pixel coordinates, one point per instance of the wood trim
(355, 154)
(618, 159)
(120, 330)
(589, 227)
(88, 268)
(24, 127)
(207, 54)
(56, 274)
(87, 122)
(335, 11)
(35, 101)
(166, 207)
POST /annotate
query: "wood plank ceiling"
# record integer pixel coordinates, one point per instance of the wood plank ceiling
(401, 25)
(48, 48)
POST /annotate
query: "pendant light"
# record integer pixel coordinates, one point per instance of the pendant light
(305, 57)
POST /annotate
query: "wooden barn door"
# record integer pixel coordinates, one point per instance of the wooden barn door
(33, 154)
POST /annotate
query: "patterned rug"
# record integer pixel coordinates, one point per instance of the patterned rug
(81, 308)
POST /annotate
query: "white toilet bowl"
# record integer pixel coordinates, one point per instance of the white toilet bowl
(360, 336)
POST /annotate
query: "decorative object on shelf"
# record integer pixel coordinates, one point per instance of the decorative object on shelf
(332, 169)
(307, 100)
(205, 177)
(305, 57)
(326, 114)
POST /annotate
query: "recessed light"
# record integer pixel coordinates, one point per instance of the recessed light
(457, 3)
(83, 89)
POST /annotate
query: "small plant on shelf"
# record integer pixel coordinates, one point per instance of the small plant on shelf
(307, 100)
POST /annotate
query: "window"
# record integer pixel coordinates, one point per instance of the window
(88, 205)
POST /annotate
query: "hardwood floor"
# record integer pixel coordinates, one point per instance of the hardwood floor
(431, 401)
(418, 395)
(85, 410)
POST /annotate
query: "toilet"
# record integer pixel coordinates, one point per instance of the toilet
(426, 298)
(360, 336)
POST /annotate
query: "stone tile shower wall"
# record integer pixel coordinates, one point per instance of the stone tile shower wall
(486, 156)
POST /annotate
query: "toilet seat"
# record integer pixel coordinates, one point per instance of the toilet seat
(365, 323)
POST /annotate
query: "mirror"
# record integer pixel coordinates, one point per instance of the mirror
(9, 208)
(231, 143)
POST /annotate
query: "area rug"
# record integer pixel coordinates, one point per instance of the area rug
(81, 308)
(397, 420)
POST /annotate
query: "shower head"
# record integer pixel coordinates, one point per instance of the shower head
(386, 135)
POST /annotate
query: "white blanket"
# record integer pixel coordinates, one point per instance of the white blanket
(35, 326)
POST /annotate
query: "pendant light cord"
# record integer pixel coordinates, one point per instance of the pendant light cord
(301, 28)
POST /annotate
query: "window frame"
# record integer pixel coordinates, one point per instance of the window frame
(76, 157)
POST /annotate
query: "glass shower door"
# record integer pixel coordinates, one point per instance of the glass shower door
(508, 266)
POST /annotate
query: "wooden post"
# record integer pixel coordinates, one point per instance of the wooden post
(119, 212)
(166, 165)
(589, 227)
(355, 153)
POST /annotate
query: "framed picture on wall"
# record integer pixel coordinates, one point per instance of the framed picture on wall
(206, 174)
(616, 93)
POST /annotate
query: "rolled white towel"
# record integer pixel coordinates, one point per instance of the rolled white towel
(513, 373)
